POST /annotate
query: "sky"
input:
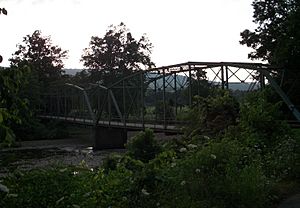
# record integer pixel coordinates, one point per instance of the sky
(180, 30)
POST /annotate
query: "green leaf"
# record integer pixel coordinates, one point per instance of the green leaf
(4, 188)
(58, 201)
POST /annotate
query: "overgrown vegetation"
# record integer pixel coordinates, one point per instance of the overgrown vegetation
(232, 154)
(12, 107)
(276, 39)
(34, 66)
(252, 162)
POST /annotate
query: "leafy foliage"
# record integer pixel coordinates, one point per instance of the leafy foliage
(166, 109)
(202, 171)
(12, 106)
(2, 11)
(116, 54)
(21, 87)
(44, 58)
(143, 146)
(212, 114)
(45, 61)
(263, 118)
(277, 39)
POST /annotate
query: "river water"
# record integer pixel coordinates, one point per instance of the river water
(47, 153)
(74, 150)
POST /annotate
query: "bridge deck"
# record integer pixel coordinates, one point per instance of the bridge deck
(117, 124)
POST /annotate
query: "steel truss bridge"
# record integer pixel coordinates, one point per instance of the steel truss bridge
(157, 97)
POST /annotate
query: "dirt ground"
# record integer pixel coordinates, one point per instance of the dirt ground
(45, 153)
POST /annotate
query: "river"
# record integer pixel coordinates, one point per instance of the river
(75, 150)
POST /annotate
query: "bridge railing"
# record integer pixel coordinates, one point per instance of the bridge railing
(156, 96)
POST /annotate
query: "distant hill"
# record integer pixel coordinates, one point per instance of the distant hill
(183, 79)
(242, 86)
(72, 71)
(180, 79)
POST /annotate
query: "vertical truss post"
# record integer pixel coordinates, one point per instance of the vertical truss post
(262, 80)
(226, 77)
(190, 86)
(142, 99)
(115, 104)
(65, 101)
(98, 100)
(109, 108)
(164, 97)
(155, 101)
(57, 104)
(80, 107)
(73, 104)
(124, 104)
(53, 105)
(175, 89)
(198, 83)
(83, 107)
(222, 77)
(50, 105)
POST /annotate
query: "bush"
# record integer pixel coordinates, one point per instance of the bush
(52, 187)
(241, 168)
(212, 115)
(221, 174)
(143, 146)
(263, 118)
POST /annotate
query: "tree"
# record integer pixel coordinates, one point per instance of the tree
(45, 61)
(277, 38)
(116, 54)
(44, 58)
(2, 11)
(12, 107)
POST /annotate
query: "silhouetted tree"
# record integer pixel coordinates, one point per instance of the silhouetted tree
(116, 54)
(44, 58)
(45, 61)
(2, 11)
(277, 38)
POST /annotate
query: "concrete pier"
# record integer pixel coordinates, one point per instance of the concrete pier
(109, 138)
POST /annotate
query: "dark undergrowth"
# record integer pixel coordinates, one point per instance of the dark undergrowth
(251, 160)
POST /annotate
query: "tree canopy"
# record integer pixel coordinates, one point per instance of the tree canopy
(277, 36)
(276, 39)
(117, 53)
(2, 11)
(41, 56)
(13, 109)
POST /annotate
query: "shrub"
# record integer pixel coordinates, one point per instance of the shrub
(263, 118)
(213, 114)
(241, 168)
(143, 146)
(52, 187)
(221, 174)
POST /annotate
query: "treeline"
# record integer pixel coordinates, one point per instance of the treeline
(37, 66)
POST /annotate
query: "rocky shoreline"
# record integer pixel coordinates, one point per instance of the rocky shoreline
(46, 153)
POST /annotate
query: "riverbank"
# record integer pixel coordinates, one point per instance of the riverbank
(46, 153)
(75, 150)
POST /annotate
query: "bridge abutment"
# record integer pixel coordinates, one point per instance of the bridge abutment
(109, 138)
